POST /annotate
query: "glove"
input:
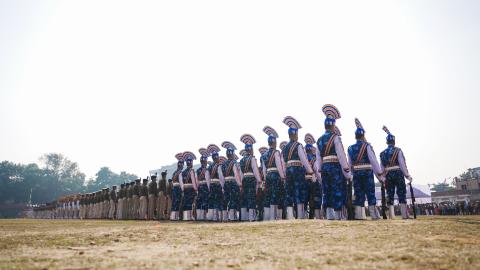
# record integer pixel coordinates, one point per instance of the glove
(410, 178)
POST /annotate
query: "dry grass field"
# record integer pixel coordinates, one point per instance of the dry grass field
(426, 243)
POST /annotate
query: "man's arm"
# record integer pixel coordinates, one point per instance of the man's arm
(279, 165)
(304, 159)
(342, 158)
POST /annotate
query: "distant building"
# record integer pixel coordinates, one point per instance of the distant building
(467, 188)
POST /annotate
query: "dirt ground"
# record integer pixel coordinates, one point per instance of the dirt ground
(426, 243)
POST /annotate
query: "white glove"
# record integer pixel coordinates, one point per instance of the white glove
(410, 178)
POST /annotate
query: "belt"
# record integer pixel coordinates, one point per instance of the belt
(188, 185)
(215, 180)
(229, 178)
(272, 170)
(363, 167)
(248, 174)
(393, 168)
(330, 159)
(176, 184)
(202, 182)
(294, 163)
(308, 176)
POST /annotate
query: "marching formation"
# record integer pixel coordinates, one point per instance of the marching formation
(295, 181)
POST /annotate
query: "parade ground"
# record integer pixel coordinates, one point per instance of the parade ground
(426, 243)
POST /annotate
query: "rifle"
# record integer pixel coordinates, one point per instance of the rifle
(384, 201)
(413, 200)
(350, 213)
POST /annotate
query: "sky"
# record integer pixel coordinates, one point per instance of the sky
(128, 84)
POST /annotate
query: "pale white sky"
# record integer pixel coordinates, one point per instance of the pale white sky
(128, 84)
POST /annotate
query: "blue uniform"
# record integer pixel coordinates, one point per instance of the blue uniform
(273, 185)
(202, 197)
(363, 181)
(333, 180)
(215, 199)
(188, 190)
(295, 186)
(394, 178)
(248, 183)
(176, 191)
(231, 189)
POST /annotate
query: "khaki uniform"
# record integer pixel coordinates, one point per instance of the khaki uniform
(152, 199)
(113, 204)
(143, 201)
(162, 200)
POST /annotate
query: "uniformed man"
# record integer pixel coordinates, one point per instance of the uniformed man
(136, 199)
(335, 170)
(263, 202)
(106, 203)
(113, 202)
(251, 179)
(163, 204)
(297, 166)
(314, 181)
(274, 173)
(203, 178)
(120, 203)
(231, 176)
(215, 200)
(169, 195)
(143, 207)
(177, 189)
(152, 197)
(364, 164)
(188, 184)
(131, 206)
(395, 169)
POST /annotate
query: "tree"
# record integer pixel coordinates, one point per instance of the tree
(107, 178)
(64, 174)
(438, 187)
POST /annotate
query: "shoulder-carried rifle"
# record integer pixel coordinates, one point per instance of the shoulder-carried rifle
(384, 201)
(413, 200)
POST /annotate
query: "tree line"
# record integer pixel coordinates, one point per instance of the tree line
(53, 177)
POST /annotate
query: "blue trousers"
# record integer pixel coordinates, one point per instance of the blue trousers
(295, 186)
(334, 186)
(249, 197)
(176, 198)
(273, 188)
(188, 197)
(202, 197)
(215, 199)
(232, 195)
(364, 185)
(396, 180)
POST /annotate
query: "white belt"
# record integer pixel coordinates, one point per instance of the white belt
(294, 163)
(215, 180)
(363, 167)
(202, 182)
(229, 178)
(272, 170)
(187, 185)
(330, 159)
(308, 176)
(393, 168)
(176, 184)
(248, 174)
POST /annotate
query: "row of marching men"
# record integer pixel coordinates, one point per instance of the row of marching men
(134, 200)
(294, 180)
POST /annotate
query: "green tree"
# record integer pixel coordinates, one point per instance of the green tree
(64, 174)
(107, 178)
